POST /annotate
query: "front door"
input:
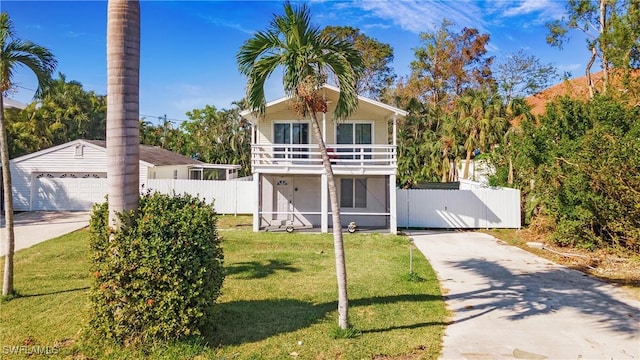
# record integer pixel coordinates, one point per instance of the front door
(283, 199)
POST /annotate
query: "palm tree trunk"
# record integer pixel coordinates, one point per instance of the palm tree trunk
(7, 281)
(467, 162)
(338, 245)
(123, 83)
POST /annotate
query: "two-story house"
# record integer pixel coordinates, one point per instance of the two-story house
(290, 180)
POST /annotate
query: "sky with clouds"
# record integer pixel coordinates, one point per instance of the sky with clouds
(188, 48)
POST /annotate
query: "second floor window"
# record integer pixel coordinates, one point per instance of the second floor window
(354, 133)
(291, 133)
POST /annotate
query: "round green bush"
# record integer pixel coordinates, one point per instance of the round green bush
(159, 275)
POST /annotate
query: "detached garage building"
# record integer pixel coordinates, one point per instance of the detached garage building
(73, 176)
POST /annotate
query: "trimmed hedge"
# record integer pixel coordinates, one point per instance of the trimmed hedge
(159, 275)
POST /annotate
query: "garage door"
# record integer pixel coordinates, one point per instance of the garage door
(67, 191)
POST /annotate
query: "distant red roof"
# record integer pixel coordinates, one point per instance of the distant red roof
(576, 88)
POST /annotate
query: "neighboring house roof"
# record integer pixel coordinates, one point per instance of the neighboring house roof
(332, 93)
(576, 88)
(156, 155)
(149, 155)
(12, 104)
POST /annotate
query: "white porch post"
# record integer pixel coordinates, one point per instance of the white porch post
(395, 125)
(324, 207)
(256, 208)
(393, 219)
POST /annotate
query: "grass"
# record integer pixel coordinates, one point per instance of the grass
(278, 302)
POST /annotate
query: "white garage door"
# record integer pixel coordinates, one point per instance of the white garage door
(67, 191)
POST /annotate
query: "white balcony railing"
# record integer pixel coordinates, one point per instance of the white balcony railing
(299, 156)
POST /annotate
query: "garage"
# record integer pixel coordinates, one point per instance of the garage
(73, 175)
(67, 191)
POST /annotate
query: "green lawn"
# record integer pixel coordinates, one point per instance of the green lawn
(280, 289)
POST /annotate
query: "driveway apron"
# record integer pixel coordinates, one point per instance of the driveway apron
(34, 227)
(510, 304)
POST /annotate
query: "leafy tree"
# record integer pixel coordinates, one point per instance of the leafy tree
(377, 75)
(219, 137)
(612, 31)
(15, 52)
(123, 78)
(520, 75)
(306, 56)
(577, 168)
(448, 64)
(65, 112)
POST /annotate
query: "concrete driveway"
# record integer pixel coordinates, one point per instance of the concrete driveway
(510, 304)
(37, 226)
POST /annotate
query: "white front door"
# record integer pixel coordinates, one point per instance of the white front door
(283, 199)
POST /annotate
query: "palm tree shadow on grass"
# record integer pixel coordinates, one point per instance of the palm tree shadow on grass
(249, 321)
(258, 269)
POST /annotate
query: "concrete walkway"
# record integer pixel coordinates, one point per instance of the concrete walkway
(37, 226)
(510, 304)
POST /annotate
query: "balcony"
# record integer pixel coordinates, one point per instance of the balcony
(357, 159)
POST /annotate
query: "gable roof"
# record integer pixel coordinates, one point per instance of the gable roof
(333, 92)
(156, 155)
(149, 155)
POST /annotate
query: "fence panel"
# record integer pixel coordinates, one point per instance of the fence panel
(471, 208)
(228, 197)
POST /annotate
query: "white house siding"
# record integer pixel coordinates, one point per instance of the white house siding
(305, 207)
(63, 160)
(377, 193)
(60, 161)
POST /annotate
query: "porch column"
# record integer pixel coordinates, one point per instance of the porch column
(395, 126)
(324, 207)
(256, 208)
(393, 219)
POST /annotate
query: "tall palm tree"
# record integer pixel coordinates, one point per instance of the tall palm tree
(13, 53)
(307, 58)
(123, 88)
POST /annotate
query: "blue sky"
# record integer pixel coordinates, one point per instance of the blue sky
(188, 48)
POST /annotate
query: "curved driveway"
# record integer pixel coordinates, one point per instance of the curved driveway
(510, 304)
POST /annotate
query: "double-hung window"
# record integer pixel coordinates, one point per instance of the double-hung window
(291, 133)
(354, 133)
(353, 192)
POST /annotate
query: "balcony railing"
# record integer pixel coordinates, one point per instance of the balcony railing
(346, 157)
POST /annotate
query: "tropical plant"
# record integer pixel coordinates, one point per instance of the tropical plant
(307, 58)
(480, 118)
(15, 52)
(123, 78)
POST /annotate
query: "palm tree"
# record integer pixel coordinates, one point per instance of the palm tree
(13, 53)
(123, 85)
(307, 58)
(481, 120)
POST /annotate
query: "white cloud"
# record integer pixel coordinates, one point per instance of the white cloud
(543, 10)
(419, 16)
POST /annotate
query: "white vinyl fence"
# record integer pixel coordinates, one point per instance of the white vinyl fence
(228, 196)
(469, 207)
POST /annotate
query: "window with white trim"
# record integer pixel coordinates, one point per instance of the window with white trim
(353, 192)
(354, 133)
(291, 133)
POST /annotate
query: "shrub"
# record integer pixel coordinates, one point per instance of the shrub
(159, 275)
